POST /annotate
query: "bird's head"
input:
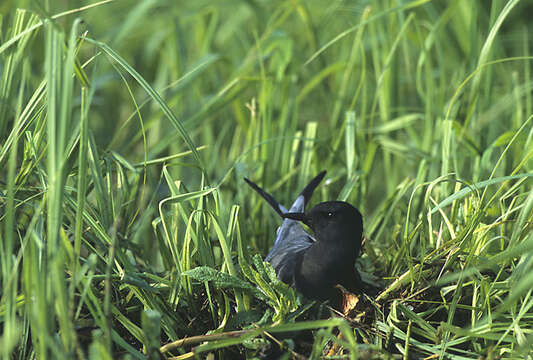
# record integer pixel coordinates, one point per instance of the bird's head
(333, 221)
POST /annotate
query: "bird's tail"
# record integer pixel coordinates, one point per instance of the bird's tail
(299, 203)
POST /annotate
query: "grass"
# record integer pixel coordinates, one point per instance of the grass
(126, 128)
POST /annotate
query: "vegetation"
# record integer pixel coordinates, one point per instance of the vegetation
(126, 128)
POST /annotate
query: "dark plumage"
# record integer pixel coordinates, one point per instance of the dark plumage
(314, 265)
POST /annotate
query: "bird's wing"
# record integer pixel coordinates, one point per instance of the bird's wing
(291, 232)
(291, 235)
(291, 238)
(291, 241)
(299, 204)
(280, 209)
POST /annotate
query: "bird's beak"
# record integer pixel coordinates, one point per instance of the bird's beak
(299, 217)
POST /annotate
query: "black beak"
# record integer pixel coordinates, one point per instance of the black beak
(299, 217)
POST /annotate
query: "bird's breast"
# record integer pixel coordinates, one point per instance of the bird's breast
(322, 267)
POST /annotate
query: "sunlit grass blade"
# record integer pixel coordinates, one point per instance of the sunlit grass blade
(154, 94)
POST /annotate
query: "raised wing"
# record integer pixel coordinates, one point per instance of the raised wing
(291, 238)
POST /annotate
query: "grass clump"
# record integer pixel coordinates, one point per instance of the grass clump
(126, 128)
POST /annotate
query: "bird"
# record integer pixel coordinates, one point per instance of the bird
(315, 264)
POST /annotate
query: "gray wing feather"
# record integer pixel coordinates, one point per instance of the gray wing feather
(291, 238)
(291, 241)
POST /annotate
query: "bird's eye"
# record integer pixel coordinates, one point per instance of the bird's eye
(330, 214)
